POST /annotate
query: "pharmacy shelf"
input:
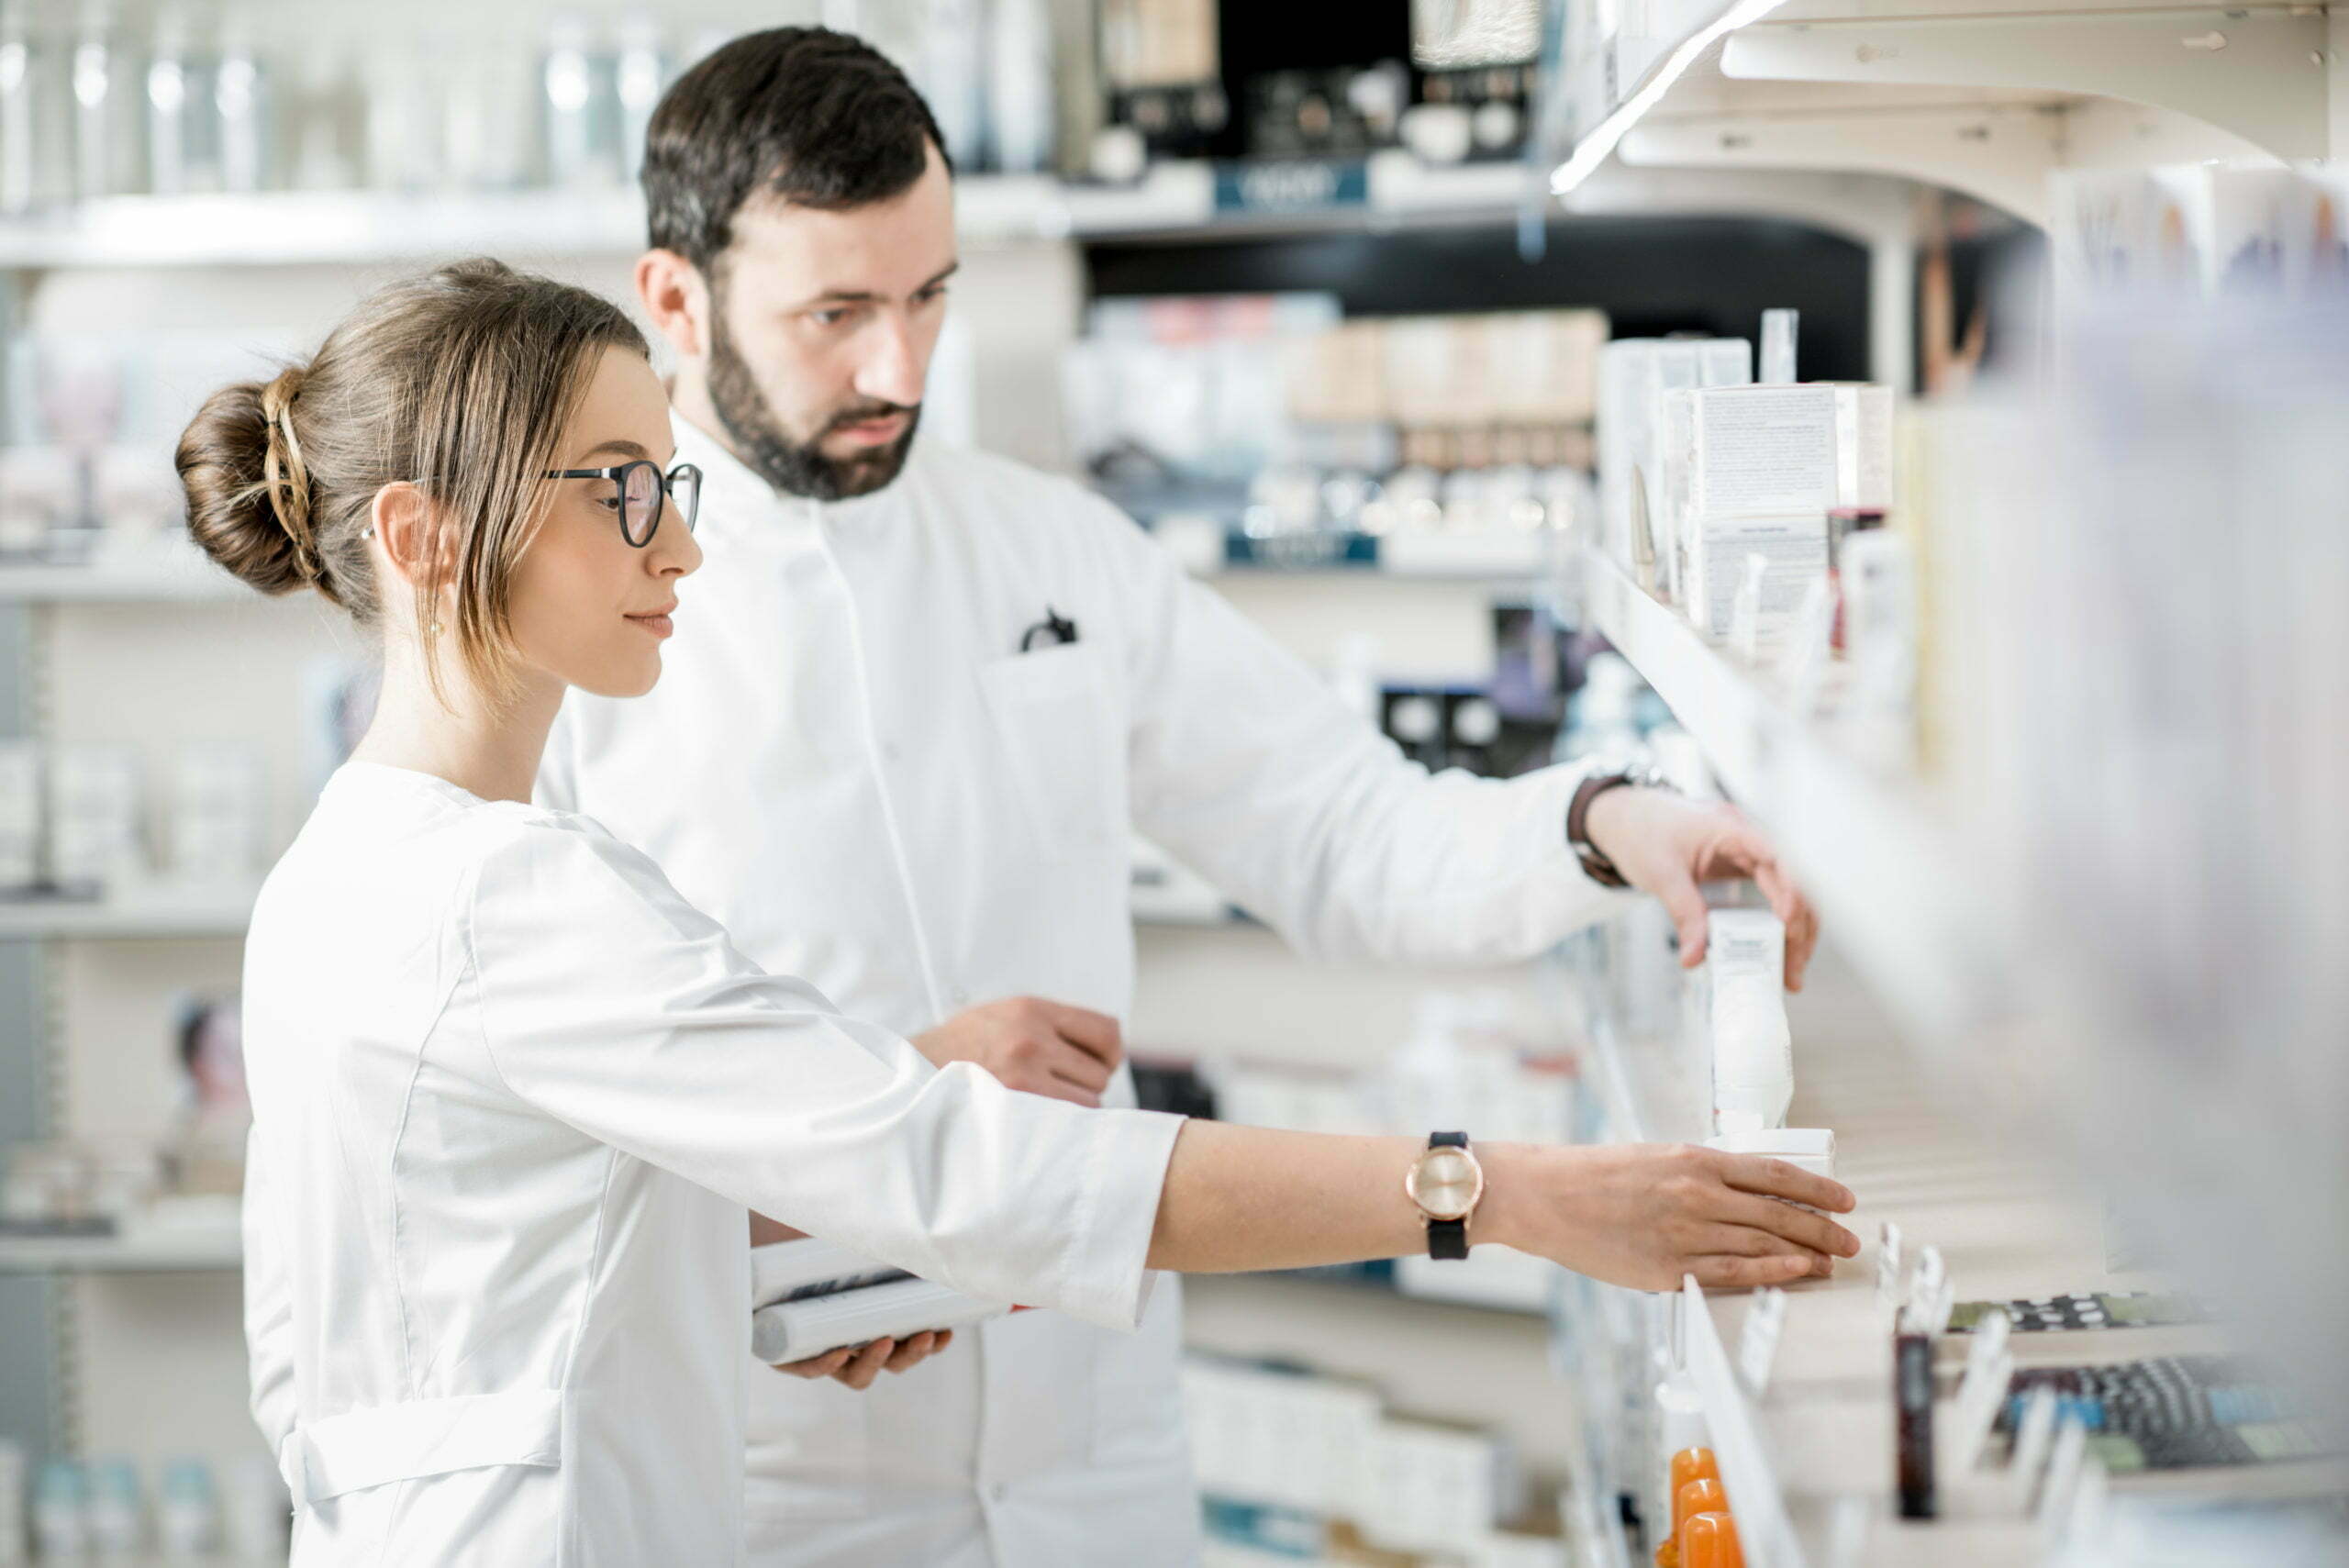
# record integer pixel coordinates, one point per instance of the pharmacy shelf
(1989, 98)
(1208, 549)
(169, 580)
(162, 911)
(2013, 1220)
(282, 227)
(158, 1253)
(1902, 894)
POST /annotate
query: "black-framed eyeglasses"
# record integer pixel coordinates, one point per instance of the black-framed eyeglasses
(637, 488)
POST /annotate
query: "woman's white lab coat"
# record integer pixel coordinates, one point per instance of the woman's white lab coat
(511, 1098)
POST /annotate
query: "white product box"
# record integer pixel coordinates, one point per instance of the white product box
(1436, 1485)
(1794, 545)
(1544, 363)
(21, 815)
(217, 804)
(1745, 953)
(1810, 447)
(40, 491)
(1488, 1276)
(1635, 373)
(94, 816)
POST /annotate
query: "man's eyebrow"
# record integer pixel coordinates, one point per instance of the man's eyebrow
(866, 296)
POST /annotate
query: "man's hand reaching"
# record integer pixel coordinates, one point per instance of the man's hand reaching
(1665, 845)
(1045, 1047)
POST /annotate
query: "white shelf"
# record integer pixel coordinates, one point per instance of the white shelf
(1764, 1533)
(1904, 898)
(1984, 97)
(137, 1253)
(161, 911)
(281, 227)
(185, 580)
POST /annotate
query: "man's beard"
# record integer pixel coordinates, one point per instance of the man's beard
(798, 468)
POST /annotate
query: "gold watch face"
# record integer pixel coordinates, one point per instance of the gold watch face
(1445, 1183)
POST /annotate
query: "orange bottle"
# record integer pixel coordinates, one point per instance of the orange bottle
(1703, 1496)
(1692, 1465)
(1710, 1540)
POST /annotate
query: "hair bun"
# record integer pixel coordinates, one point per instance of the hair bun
(248, 493)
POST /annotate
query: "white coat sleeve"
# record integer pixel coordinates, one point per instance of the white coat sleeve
(1246, 766)
(269, 1305)
(610, 1003)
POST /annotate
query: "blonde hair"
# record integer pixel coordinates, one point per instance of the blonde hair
(460, 382)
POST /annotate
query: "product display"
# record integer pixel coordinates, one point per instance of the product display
(2177, 1412)
(2125, 1309)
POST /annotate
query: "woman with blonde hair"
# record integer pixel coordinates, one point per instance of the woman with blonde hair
(512, 1096)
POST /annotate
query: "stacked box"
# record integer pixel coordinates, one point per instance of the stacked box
(1763, 466)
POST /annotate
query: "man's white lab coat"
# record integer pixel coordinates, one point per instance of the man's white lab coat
(849, 763)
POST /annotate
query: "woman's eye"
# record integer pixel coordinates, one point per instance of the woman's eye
(609, 503)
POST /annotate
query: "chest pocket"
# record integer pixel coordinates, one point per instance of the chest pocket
(1056, 716)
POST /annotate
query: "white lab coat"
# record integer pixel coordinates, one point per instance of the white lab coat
(511, 1097)
(849, 761)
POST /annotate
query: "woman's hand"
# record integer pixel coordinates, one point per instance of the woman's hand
(1644, 1213)
(858, 1365)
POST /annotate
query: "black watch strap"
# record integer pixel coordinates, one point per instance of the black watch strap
(1595, 864)
(1447, 1239)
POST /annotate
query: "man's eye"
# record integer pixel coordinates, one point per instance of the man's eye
(828, 317)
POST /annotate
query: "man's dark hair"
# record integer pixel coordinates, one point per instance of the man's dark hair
(813, 117)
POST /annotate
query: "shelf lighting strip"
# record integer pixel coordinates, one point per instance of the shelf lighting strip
(1593, 150)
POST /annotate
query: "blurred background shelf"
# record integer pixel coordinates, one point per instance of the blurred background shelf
(197, 1252)
(157, 912)
(1175, 197)
(176, 580)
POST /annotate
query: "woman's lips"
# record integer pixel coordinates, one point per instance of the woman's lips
(658, 624)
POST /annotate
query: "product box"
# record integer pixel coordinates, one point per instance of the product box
(1338, 375)
(21, 815)
(1794, 549)
(1489, 1276)
(1544, 364)
(1810, 447)
(1435, 1485)
(40, 496)
(1436, 371)
(95, 804)
(1635, 373)
(215, 804)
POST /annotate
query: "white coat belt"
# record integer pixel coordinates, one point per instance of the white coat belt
(423, 1437)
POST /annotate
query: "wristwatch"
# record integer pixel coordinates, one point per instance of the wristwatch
(1446, 1183)
(1595, 864)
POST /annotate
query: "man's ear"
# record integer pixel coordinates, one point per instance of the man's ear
(676, 300)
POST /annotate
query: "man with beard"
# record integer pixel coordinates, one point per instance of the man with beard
(916, 702)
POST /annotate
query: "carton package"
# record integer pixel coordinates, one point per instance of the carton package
(94, 817)
(1635, 373)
